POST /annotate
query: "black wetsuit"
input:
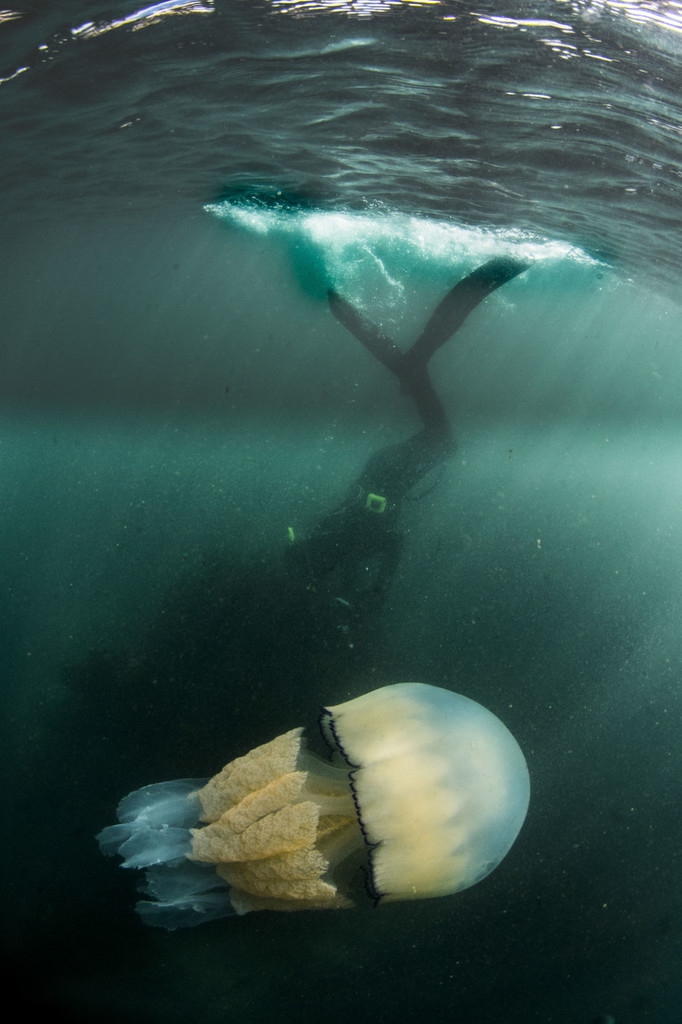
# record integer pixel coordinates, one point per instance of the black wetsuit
(360, 538)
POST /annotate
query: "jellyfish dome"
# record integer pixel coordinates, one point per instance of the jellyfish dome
(423, 793)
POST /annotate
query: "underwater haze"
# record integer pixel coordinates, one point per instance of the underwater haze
(182, 184)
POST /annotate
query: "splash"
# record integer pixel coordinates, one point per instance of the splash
(375, 253)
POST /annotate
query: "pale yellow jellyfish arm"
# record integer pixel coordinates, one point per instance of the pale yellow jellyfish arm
(265, 829)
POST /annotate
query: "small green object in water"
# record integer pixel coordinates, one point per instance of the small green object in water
(375, 503)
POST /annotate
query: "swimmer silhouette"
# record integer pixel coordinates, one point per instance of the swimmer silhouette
(364, 526)
(422, 794)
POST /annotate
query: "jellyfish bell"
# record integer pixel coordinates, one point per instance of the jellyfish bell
(441, 786)
(423, 794)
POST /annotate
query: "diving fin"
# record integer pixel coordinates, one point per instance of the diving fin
(447, 318)
(454, 308)
(372, 337)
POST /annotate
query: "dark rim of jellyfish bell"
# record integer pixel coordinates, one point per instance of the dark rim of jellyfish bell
(370, 881)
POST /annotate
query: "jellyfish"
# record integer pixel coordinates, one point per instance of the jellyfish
(422, 794)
